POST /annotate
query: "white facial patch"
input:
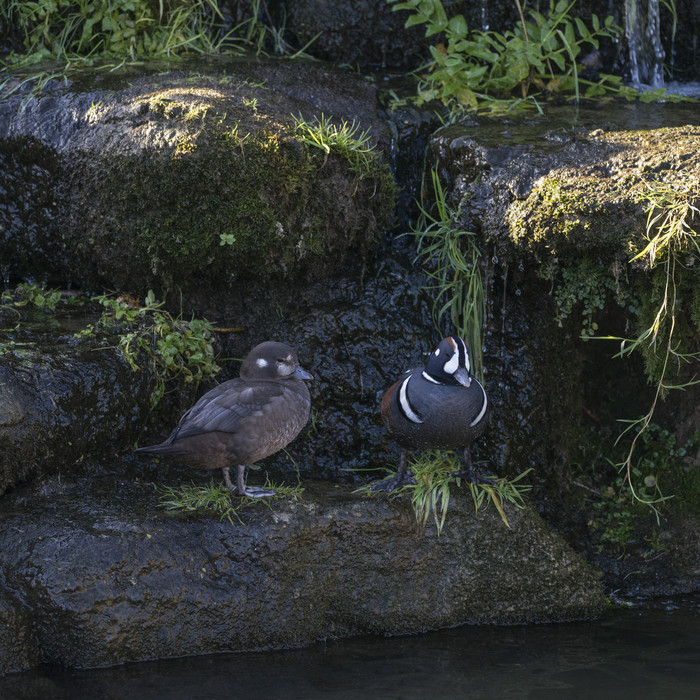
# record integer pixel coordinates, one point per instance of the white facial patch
(452, 364)
(285, 366)
(261, 362)
(437, 352)
(483, 408)
(406, 405)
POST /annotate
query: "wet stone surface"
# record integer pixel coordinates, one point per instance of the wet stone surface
(104, 575)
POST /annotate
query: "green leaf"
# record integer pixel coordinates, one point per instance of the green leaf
(458, 26)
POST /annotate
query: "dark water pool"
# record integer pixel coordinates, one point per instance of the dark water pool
(630, 653)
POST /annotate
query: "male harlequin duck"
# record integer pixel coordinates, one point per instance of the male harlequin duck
(243, 420)
(440, 406)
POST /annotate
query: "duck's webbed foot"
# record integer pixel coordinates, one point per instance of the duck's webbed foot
(240, 486)
(469, 473)
(256, 492)
(394, 482)
(472, 477)
(403, 477)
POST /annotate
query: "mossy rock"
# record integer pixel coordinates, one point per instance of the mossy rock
(328, 564)
(599, 202)
(183, 181)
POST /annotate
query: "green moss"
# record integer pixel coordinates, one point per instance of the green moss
(226, 202)
(587, 287)
(569, 217)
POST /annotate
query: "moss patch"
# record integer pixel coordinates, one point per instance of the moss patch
(233, 195)
(599, 203)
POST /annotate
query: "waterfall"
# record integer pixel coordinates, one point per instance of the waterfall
(643, 32)
(484, 16)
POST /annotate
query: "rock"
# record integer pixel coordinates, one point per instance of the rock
(106, 576)
(62, 400)
(17, 649)
(192, 184)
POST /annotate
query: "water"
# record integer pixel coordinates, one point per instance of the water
(630, 654)
(646, 52)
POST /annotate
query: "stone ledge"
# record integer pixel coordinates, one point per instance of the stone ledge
(108, 577)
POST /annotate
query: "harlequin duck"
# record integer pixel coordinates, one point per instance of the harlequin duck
(243, 420)
(440, 406)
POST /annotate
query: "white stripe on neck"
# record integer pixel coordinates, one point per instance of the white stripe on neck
(430, 379)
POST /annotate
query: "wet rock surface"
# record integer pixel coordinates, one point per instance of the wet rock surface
(104, 575)
(63, 400)
(541, 188)
(18, 650)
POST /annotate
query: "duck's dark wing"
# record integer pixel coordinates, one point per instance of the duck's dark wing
(224, 408)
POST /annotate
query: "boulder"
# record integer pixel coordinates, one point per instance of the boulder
(193, 184)
(63, 400)
(106, 576)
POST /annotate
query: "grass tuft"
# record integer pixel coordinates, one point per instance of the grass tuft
(217, 498)
(451, 259)
(433, 471)
(345, 139)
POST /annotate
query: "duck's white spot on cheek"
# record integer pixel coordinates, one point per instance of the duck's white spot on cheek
(437, 352)
(261, 362)
(452, 364)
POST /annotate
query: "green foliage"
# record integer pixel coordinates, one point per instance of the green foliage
(342, 138)
(660, 464)
(36, 296)
(433, 471)
(671, 256)
(452, 261)
(588, 287)
(478, 69)
(70, 30)
(33, 296)
(83, 32)
(217, 498)
(171, 346)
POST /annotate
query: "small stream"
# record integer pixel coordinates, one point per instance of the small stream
(636, 653)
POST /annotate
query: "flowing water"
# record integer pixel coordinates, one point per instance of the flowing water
(646, 52)
(636, 654)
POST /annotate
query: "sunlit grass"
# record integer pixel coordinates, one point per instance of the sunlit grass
(345, 138)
